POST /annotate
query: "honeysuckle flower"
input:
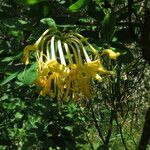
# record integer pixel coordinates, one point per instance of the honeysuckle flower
(111, 53)
(67, 64)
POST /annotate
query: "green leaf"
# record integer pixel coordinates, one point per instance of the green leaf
(69, 128)
(9, 78)
(49, 22)
(77, 6)
(108, 27)
(18, 115)
(29, 75)
(11, 58)
(29, 2)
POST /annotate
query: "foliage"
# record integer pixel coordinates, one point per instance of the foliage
(113, 119)
(31, 122)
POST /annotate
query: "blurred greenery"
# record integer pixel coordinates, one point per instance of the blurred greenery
(114, 118)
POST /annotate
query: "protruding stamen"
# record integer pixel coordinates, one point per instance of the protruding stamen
(68, 53)
(53, 56)
(61, 54)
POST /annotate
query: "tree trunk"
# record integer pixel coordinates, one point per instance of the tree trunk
(146, 35)
(145, 137)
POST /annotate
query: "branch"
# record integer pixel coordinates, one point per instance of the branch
(121, 133)
(145, 137)
(96, 123)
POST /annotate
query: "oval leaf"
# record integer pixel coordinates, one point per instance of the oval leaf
(28, 76)
(9, 78)
(77, 6)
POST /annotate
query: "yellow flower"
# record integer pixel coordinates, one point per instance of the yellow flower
(111, 53)
(65, 68)
(26, 52)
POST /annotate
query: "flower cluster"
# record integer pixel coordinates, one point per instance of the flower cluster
(67, 64)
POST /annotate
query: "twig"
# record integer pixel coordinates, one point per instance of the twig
(120, 129)
(110, 128)
(96, 123)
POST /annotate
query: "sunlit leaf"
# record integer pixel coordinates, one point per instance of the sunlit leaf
(77, 6)
(29, 75)
(49, 22)
(9, 78)
(18, 115)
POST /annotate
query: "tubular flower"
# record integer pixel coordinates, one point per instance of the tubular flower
(111, 53)
(67, 64)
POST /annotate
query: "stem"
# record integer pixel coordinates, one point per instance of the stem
(110, 128)
(96, 124)
(121, 133)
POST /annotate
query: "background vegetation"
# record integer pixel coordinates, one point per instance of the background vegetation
(114, 118)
